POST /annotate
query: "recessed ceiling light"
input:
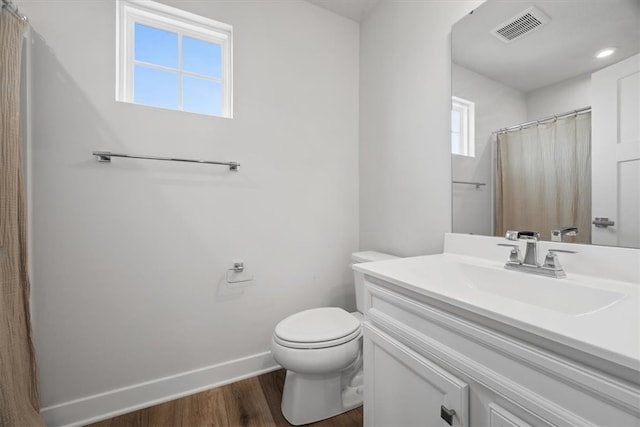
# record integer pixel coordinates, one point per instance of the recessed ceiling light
(605, 52)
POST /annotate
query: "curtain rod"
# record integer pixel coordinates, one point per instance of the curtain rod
(546, 119)
(13, 9)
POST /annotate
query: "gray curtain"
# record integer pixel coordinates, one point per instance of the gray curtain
(19, 400)
(544, 178)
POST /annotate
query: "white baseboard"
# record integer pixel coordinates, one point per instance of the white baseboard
(116, 402)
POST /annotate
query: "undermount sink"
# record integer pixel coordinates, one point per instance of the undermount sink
(565, 295)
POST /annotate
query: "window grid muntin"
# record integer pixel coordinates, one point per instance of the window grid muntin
(180, 71)
(213, 42)
(131, 12)
(188, 73)
(180, 95)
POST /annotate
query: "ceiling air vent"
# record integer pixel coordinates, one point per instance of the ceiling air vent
(520, 25)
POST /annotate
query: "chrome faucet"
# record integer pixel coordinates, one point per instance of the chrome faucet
(556, 235)
(531, 253)
(551, 266)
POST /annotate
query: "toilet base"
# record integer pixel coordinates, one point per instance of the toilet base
(309, 398)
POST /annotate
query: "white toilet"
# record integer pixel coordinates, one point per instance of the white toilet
(321, 349)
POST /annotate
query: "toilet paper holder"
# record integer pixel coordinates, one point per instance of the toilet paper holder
(236, 270)
(238, 267)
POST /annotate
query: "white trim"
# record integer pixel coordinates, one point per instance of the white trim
(116, 402)
(150, 13)
(180, 74)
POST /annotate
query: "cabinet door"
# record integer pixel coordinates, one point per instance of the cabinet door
(403, 388)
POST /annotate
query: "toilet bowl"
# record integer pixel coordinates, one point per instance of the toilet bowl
(321, 349)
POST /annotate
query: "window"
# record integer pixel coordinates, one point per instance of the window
(173, 59)
(462, 127)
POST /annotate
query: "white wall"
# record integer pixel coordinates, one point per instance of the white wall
(405, 116)
(496, 106)
(559, 98)
(129, 257)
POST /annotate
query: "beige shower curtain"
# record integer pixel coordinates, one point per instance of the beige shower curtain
(544, 178)
(19, 400)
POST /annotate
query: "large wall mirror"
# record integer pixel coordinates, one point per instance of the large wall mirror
(546, 120)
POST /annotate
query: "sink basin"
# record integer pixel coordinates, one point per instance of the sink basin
(561, 295)
(594, 310)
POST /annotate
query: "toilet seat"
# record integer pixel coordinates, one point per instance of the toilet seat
(319, 344)
(317, 328)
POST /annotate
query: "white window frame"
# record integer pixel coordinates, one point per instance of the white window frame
(157, 15)
(467, 125)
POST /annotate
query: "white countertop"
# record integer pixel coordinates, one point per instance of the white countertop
(605, 324)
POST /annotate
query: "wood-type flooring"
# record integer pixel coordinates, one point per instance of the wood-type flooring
(254, 402)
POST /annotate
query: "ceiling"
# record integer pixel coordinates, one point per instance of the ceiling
(561, 49)
(356, 10)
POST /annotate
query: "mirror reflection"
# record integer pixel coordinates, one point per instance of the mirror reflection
(546, 120)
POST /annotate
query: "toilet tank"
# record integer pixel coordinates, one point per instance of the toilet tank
(366, 256)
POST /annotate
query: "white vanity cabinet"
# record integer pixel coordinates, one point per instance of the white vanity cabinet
(424, 358)
(407, 389)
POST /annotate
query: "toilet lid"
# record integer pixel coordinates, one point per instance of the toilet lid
(317, 325)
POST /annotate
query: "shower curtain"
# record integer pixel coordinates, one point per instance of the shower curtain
(543, 178)
(19, 400)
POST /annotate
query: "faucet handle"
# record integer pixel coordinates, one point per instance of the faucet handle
(514, 255)
(525, 235)
(551, 260)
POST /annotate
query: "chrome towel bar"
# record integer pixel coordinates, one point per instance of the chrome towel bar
(105, 156)
(477, 184)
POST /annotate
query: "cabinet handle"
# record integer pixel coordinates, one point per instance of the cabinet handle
(447, 414)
